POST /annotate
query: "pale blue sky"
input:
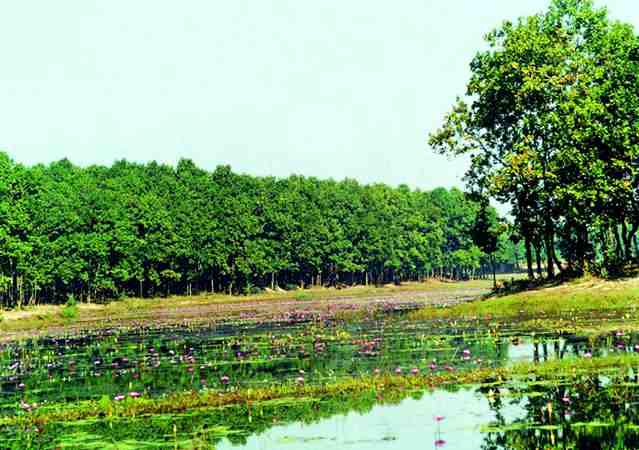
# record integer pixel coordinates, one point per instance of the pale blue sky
(330, 88)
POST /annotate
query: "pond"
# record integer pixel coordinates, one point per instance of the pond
(44, 380)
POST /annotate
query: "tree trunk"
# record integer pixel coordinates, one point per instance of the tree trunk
(549, 243)
(628, 236)
(618, 243)
(538, 259)
(557, 262)
(529, 263)
(492, 263)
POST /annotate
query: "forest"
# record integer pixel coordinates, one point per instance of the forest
(146, 230)
(550, 122)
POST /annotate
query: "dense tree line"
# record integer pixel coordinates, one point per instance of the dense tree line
(551, 124)
(145, 230)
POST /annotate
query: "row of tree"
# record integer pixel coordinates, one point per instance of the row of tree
(551, 124)
(144, 230)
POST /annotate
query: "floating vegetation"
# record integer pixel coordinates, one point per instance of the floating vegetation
(195, 386)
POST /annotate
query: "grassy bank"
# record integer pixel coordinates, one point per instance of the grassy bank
(572, 298)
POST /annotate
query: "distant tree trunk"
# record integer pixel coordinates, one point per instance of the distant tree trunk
(492, 263)
(618, 243)
(550, 262)
(538, 259)
(529, 263)
(556, 259)
(627, 239)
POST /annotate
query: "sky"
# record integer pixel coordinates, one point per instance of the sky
(325, 88)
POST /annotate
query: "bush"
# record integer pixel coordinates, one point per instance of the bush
(71, 301)
(70, 310)
(301, 295)
(291, 287)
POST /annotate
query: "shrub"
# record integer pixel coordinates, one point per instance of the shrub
(71, 301)
(301, 295)
(70, 310)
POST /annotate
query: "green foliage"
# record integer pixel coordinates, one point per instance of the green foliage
(301, 295)
(148, 230)
(551, 125)
(71, 301)
(69, 312)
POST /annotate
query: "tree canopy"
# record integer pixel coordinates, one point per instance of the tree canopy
(151, 229)
(551, 123)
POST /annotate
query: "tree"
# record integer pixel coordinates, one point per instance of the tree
(486, 233)
(550, 122)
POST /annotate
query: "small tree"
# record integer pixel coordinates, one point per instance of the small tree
(486, 232)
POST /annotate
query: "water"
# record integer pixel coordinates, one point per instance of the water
(411, 424)
(583, 412)
(597, 410)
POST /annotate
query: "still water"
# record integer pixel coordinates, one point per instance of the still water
(412, 424)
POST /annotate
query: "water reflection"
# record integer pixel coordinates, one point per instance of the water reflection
(411, 424)
(584, 412)
(581, 412)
